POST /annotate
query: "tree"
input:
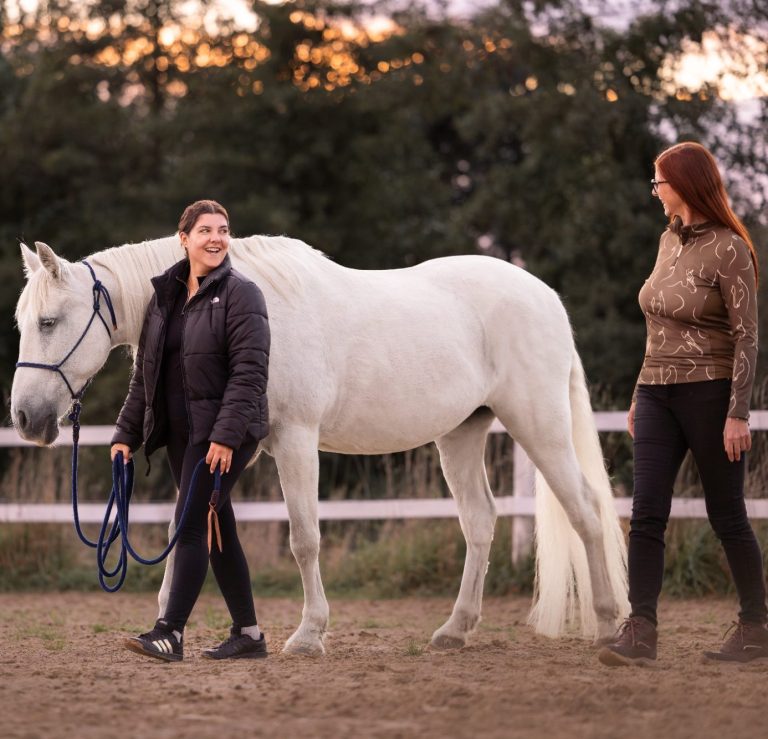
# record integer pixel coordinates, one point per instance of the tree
(527, 131)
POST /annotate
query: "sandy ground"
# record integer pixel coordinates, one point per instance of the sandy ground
(63, 673)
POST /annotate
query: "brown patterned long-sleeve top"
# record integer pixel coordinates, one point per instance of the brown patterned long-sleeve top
(700, 306)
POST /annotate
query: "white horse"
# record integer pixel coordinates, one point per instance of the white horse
(372, 362)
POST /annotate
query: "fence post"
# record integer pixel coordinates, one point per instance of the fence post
(523, 486)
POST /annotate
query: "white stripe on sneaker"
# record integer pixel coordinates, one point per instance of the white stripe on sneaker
(161, 645)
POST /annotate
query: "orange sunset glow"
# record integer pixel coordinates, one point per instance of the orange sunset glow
(724, 63)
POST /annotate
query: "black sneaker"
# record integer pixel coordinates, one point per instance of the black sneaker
(238, 646)
(161, 643)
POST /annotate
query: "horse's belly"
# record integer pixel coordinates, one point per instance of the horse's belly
(394, 425)
(378, 441)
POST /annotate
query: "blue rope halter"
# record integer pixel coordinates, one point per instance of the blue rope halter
(99, 291)
(122, 472)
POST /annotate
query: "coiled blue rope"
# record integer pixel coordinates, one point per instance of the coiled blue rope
(120, 500)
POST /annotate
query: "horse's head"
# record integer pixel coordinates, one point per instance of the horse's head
(52, 314)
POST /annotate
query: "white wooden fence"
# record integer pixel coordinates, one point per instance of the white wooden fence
(519, 505)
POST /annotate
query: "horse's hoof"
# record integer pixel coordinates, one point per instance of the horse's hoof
(603, 641)
(304, 649)
(443, 641)
(605, 635)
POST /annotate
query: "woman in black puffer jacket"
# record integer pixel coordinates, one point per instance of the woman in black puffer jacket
(199, 389)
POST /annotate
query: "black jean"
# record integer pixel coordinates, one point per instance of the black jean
(670, 420)
(191, 555)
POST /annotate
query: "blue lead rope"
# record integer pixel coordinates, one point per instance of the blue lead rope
(120, 499)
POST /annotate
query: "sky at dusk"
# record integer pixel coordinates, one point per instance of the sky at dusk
(696, 64)
(239, 10)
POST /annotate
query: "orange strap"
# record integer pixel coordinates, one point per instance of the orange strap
(213, 517)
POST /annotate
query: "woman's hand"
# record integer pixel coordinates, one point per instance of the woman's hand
(631, 420)
(218, 454)
(124, 448)
(736, 438)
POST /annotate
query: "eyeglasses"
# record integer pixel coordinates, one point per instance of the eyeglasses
(655, 185)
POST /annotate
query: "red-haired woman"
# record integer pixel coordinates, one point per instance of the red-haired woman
(693, 393)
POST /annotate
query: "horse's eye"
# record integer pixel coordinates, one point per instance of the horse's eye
(47, 322)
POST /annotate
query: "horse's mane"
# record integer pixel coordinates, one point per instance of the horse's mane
(280, 261)
(132, 265)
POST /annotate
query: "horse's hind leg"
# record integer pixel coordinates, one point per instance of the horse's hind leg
(580, 503)
(552, 451)
(165, 588)
(295, 453)
(462, 460)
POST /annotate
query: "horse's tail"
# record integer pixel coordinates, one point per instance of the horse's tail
(563, 587)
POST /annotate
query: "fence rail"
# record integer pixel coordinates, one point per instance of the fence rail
(519, 505)
(334, 510)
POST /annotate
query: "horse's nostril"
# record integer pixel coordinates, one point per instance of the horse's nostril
(21, 417)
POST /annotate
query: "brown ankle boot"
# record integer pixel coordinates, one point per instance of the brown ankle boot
(635, 644)
(747, 642)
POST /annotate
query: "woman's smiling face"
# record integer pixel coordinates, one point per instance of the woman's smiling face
(207, 243)
(672, 203)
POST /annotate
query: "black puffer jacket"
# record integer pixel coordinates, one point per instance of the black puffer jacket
(224, 357)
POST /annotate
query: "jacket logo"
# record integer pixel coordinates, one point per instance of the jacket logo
(214, 300)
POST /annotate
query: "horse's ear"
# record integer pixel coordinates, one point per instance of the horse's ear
(48, 259)
(30, 259)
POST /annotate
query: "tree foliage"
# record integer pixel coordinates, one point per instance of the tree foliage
(527, 131)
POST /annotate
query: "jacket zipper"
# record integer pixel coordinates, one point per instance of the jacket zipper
(158, 350)
(160, 343)
(183, 368)
(677, 256)
(183, 372)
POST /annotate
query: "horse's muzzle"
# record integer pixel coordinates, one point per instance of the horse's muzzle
(38, 427)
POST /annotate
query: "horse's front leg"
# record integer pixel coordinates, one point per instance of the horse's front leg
(297, 463)
(165, 588)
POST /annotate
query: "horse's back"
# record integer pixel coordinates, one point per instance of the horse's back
(314, 284)
(487, 282)
(516, 310)
(390, 359)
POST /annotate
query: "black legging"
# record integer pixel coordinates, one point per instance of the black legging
(669, 420)
(191, 556)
